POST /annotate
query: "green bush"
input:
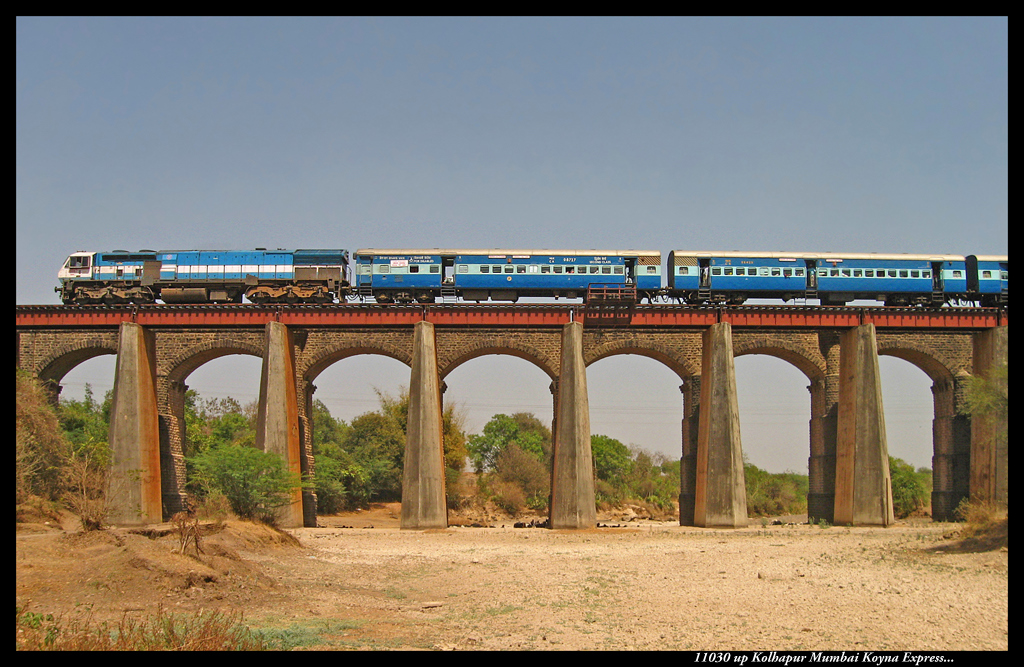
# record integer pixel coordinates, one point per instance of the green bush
(910, 488)
(774, 494)
(255, 483)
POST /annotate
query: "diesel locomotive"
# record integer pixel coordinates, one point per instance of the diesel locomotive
(388, 276)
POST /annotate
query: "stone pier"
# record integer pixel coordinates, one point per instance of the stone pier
(863, 495)
(134, 495)
(720, 495)
(573, 503)
(277, 420)
(989, 452)
(423, 491)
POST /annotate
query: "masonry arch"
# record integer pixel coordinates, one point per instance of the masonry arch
(682, 366)
(67, 357)
(508, 347)
(943, 445)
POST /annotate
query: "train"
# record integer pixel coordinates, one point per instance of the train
(406, 276)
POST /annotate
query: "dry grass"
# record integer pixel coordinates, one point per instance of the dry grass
(205, 631)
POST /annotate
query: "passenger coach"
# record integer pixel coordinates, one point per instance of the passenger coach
(501, 275)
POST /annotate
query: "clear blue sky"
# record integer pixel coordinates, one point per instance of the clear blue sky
(837, 134)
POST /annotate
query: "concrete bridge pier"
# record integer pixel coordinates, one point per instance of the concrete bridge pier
(573, 500)
(720, 499)
(988, 436)
(863, 485)
(134, 495)
(277, 419)
(423, 484)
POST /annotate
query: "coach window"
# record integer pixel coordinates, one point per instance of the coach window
(594, 269)
(986, 274)
(414, 269)
(775, 271)
(545, 269)
(484, 268)
(915, 274)
(509, 268)
(957, 274)
(717, 271)
(903, 273)
(800, 272)
(727, 271)
(463, 268)
(520, 268)
(892, 274)
(869, 273)
(383, 268)
(856, 273)
(558, 269)
(846, 273)
(926, 274)
(608, 270)
(618, 270)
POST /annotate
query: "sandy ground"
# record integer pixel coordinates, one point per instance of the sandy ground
(359, 582)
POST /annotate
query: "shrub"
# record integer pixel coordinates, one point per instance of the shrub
(204, 631)
(509, 497)
(255, 483)
(909, 488)
(523, 469)
(41, 447)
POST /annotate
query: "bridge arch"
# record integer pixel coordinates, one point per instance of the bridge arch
(315, 366)
(181, 365)
(682, 366)
(811, 363)
(66, 357)
(505, 346)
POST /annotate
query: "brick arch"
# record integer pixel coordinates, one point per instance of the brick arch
(183, 364)
(923, 356)
(681, 366)
(514, 348)
(331, 355)
(811, 364)
(66, 357)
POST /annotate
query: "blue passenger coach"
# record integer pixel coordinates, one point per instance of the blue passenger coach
(733, 277)
(987, 279)
(501, 275)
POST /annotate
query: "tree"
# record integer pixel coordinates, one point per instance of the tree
(611, 459)
(255, 483)
(501, 431)
(909, 487)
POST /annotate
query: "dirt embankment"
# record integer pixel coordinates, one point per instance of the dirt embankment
(361, 582)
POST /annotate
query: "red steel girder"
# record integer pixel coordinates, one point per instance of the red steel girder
(530, 315)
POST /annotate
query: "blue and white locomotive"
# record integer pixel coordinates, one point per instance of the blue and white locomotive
(204, 276)
(426, 275)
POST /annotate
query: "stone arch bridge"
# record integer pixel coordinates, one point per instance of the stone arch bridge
(157, 347)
